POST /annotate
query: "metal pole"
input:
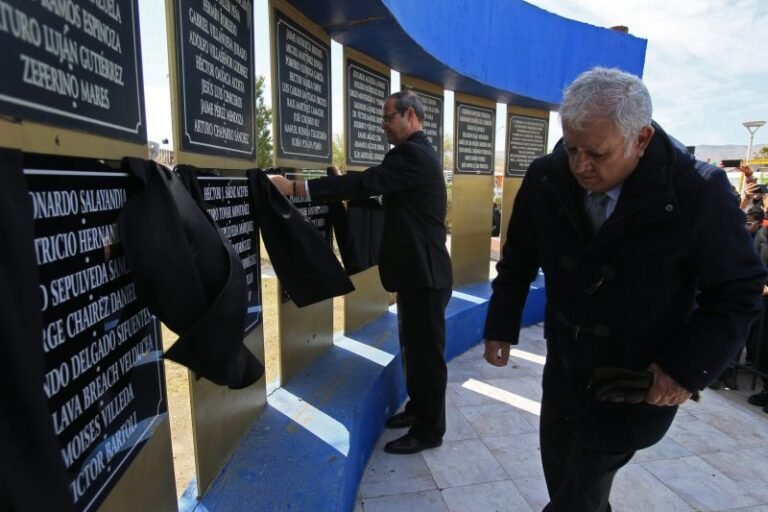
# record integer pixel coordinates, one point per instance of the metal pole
(749, 148)
(752, 127)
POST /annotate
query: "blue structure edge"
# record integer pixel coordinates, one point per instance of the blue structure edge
(314, 460)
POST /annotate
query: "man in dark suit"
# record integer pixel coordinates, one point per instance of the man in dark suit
(413, 261)
(652, 284)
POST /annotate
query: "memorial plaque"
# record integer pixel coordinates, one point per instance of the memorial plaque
(433, 119)
(230, 206)
(215, 45)
(103, 358)
(74, 64)
(475, 132)
(366, 91)
(303, 85)
(526, 140)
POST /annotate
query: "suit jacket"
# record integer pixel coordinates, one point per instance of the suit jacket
(671, 277)
(413, 253)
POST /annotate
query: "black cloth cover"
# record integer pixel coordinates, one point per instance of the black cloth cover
(32, 472)
(358, 229)
(301, 257)
(188, 274)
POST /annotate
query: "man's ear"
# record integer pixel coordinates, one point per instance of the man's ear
(644, 138)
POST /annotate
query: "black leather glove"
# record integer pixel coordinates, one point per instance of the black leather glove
(619, 385)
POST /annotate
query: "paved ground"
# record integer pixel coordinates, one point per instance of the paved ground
(715, 456)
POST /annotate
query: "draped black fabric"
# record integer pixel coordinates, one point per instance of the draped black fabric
(301, 257)
(188, 175)
(32, 473)
(358, 229)
(188, 274)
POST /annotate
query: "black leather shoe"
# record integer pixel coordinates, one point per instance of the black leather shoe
(760, 399)
(399, 420)
(409, 444)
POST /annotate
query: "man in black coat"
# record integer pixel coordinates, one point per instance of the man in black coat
(652, 284)
(413, 261)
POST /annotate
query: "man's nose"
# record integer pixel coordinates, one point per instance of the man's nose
(581, 163)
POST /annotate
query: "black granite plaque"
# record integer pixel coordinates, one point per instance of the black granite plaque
(475, 139)
(526, 140)
(103, 358)
(366, 91)
(230, 206)
(215, 54)
(303, 85)
(74, 64)
(433, 119)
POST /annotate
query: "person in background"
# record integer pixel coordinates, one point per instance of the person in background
(652, 284)
(753, 194)
(496, 220)
(414, 261)
(757, 355)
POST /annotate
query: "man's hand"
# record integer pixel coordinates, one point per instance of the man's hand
(752, 189)
(496, 352)
(283, 184)
(664, 390)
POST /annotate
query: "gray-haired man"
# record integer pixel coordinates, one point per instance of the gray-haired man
(651, 283)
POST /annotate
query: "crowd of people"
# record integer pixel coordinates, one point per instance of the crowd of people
(754, 203)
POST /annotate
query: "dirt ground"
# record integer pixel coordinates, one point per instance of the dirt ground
(177, 383)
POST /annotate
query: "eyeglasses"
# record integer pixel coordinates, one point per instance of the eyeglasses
(751, 223)
(387, 118)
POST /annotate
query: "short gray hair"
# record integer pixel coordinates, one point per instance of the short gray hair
(608, 94)
(408, 99)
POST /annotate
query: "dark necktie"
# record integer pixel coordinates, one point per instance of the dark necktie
(596, 209)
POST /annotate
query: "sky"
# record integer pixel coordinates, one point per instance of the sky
(706, 64)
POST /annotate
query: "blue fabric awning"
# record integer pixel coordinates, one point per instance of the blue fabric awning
(505, 50)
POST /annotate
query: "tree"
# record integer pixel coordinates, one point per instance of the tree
(763, 152)
(339, 155)
(263, 124)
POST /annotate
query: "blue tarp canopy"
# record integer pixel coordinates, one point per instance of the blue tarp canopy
(506, 50)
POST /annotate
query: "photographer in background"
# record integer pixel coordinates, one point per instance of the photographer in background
(753, 194)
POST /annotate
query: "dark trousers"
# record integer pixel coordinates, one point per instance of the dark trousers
(578, 479)
(755, 336)
(421, 326)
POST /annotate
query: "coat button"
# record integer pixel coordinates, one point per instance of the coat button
(669, 208)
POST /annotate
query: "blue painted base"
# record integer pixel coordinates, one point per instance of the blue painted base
(314, 459)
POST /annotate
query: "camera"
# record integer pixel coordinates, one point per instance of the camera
(763, 189)
(730, 163)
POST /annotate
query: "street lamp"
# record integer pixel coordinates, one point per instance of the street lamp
(752, 126)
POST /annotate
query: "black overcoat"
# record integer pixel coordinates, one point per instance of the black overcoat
(670, 278)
